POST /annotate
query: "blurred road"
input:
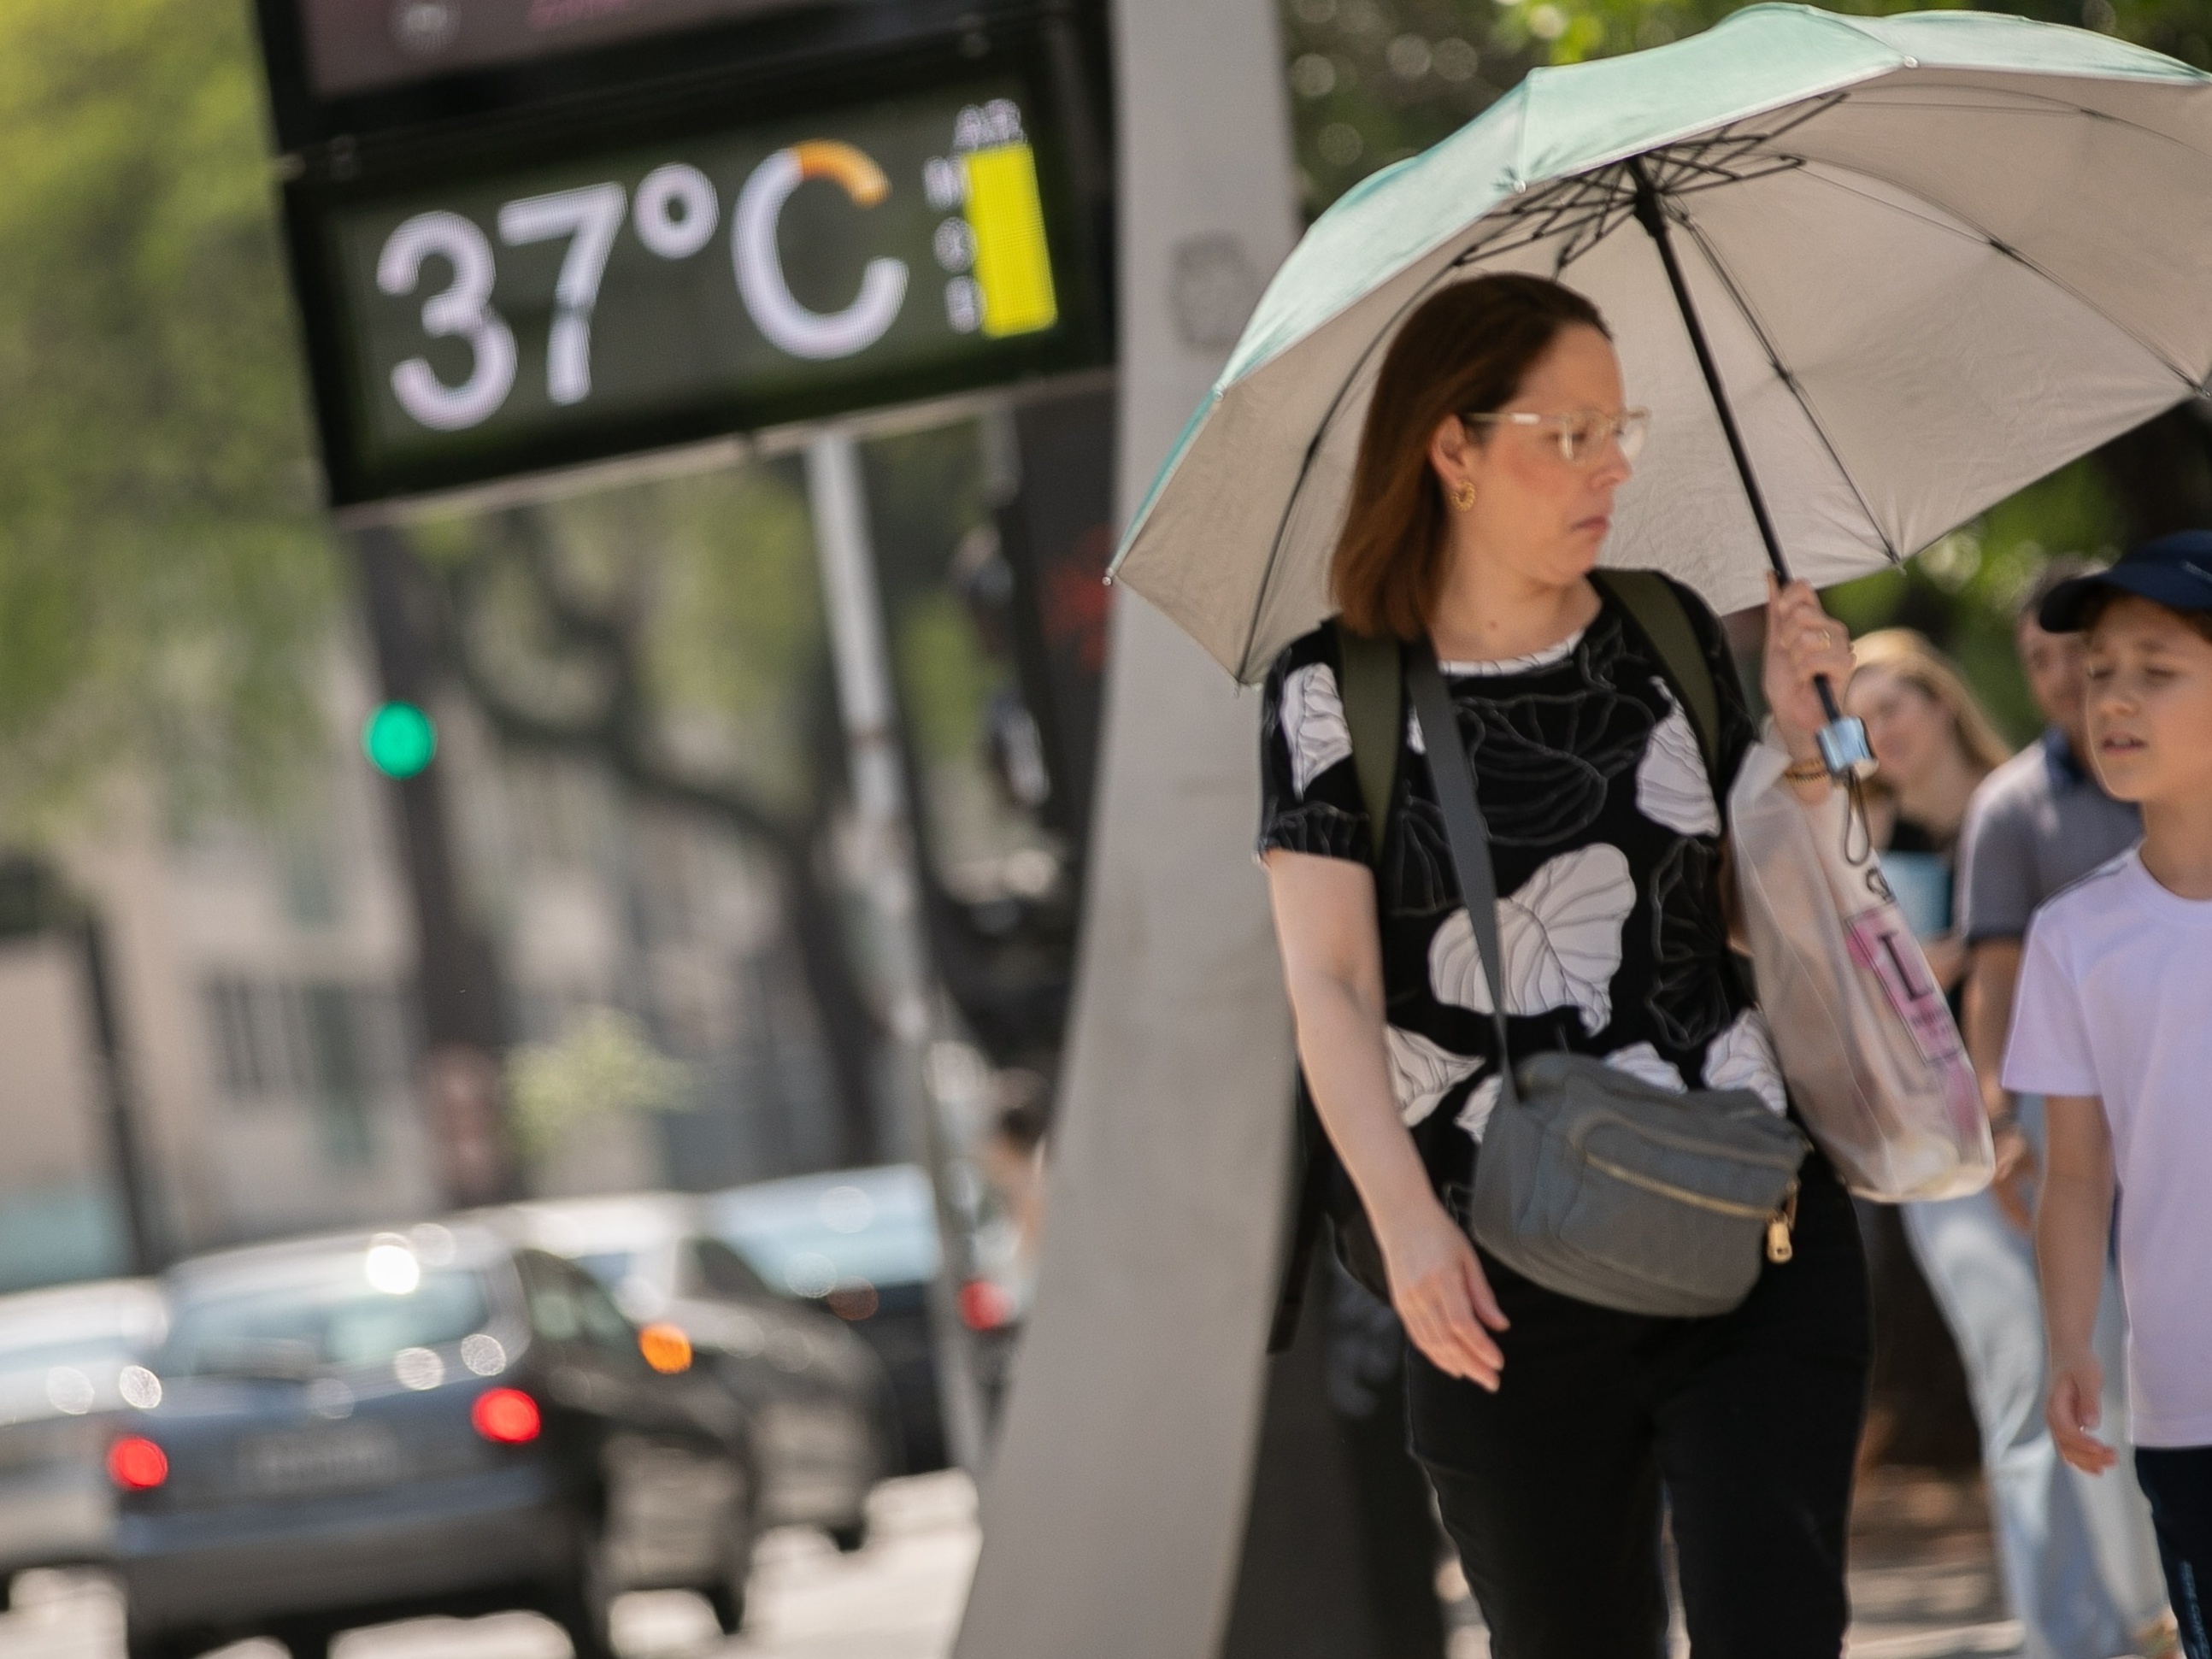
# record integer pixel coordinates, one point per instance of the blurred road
(1922, 1581)
(898, 1599)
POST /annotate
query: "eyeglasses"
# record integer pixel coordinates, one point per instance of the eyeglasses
(1582, 435)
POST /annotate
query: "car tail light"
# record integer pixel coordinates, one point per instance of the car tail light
(665, 1348)
(136, 1464)
(984, 1306)
(506, 1416)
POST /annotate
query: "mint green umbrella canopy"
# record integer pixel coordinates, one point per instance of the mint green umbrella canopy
(1935, 256)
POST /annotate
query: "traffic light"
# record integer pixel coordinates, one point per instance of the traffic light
(399, 739)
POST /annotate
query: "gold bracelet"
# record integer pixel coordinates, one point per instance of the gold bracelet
(1811, 771)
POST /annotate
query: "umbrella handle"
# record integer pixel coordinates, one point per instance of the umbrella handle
(1845, 749)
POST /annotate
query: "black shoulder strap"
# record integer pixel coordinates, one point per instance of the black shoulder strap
(1657, 611)
(1468, 835)
(1374, 712)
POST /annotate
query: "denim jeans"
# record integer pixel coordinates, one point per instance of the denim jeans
(2077, 1551)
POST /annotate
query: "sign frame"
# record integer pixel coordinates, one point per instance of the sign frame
(779, 41)
(1076, 203)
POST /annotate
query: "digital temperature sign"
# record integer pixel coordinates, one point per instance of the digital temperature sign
(632, 294)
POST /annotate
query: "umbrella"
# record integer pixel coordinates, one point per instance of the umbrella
(1870, 276)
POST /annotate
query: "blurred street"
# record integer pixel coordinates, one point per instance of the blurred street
(898, 1599)
(1924, 1584)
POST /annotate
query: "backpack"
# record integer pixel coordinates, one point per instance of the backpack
(1372, 686)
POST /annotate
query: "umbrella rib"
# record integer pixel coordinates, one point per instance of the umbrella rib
(1789, 383)
(1975, 231)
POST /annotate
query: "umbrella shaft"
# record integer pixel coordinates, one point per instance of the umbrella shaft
(1654, 220)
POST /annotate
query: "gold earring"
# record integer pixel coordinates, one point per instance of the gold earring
(1461, 494)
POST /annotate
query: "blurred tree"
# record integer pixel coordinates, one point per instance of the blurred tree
(1374, 81)
(604, 1064)
(166, 585)
(670, 632)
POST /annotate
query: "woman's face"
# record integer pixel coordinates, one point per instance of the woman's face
(1539, 512)
(1909, 729)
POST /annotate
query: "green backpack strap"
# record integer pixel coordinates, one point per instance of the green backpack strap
(1374, 690)
(1658, 613)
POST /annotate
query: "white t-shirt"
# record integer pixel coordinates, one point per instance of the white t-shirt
(2115, 1000)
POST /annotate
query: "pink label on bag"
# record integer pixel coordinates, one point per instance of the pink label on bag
(1882, 943)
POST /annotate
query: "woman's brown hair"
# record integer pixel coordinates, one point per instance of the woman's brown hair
(1464, 352)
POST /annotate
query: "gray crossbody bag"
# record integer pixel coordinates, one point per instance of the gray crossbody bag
(1590, 1182)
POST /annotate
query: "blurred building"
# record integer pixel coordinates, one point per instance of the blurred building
(261, 967)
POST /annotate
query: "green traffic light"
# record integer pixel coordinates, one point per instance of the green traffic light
(399, 739)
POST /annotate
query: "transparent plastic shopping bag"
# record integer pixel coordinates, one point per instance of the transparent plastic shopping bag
(1865, 1038)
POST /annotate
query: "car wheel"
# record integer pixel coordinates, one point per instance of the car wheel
(727, 1597)
(728, 1601)
(582, 1604)
(851, 1538)
(307, 1643)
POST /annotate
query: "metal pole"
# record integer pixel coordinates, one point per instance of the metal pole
(1653, 218)
(457, 995)
(857, 646)
(131, 1173)
(1844, 743)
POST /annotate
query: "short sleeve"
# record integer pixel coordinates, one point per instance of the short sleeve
(1310, 800)
(1737, 730)
(1997, 869)
(2048, 1052)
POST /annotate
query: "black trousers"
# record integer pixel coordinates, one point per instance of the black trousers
(2177, 1481)
(1744, 1427)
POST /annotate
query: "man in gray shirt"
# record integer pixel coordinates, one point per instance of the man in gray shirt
(2078, 1555)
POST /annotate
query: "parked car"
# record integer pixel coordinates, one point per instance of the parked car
(864, 1243)
(71, 1361)
(356, 1428)
(824, 1427)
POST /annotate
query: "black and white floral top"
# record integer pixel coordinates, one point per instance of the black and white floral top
(1606, 834)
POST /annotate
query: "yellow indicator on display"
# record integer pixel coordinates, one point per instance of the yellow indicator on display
(1013, 267)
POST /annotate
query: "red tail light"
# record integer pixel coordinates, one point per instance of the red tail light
(984, 1306)
(136, 1464)
(506, 1416)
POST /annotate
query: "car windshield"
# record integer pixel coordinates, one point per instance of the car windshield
(807, 1237)
(301, 1317)
(609, 1268)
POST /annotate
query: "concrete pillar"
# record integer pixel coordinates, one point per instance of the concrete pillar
(1117, 1500)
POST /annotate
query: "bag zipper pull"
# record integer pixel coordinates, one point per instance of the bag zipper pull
(1779, 1249)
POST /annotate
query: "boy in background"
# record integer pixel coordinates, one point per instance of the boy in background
(2080, 1561)
(2113, 1027)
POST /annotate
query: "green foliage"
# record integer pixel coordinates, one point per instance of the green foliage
(1964, 592)
(1375, 80)
(603, 1064)
(165, 583)
(715, 573)
(926, 493)
(946, 676)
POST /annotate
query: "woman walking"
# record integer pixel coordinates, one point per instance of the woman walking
(1554, 1429)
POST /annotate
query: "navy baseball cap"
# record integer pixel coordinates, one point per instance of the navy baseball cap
(2174, 570)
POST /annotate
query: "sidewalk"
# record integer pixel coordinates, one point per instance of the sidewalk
(1923, 1576)
(1922, 1581)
